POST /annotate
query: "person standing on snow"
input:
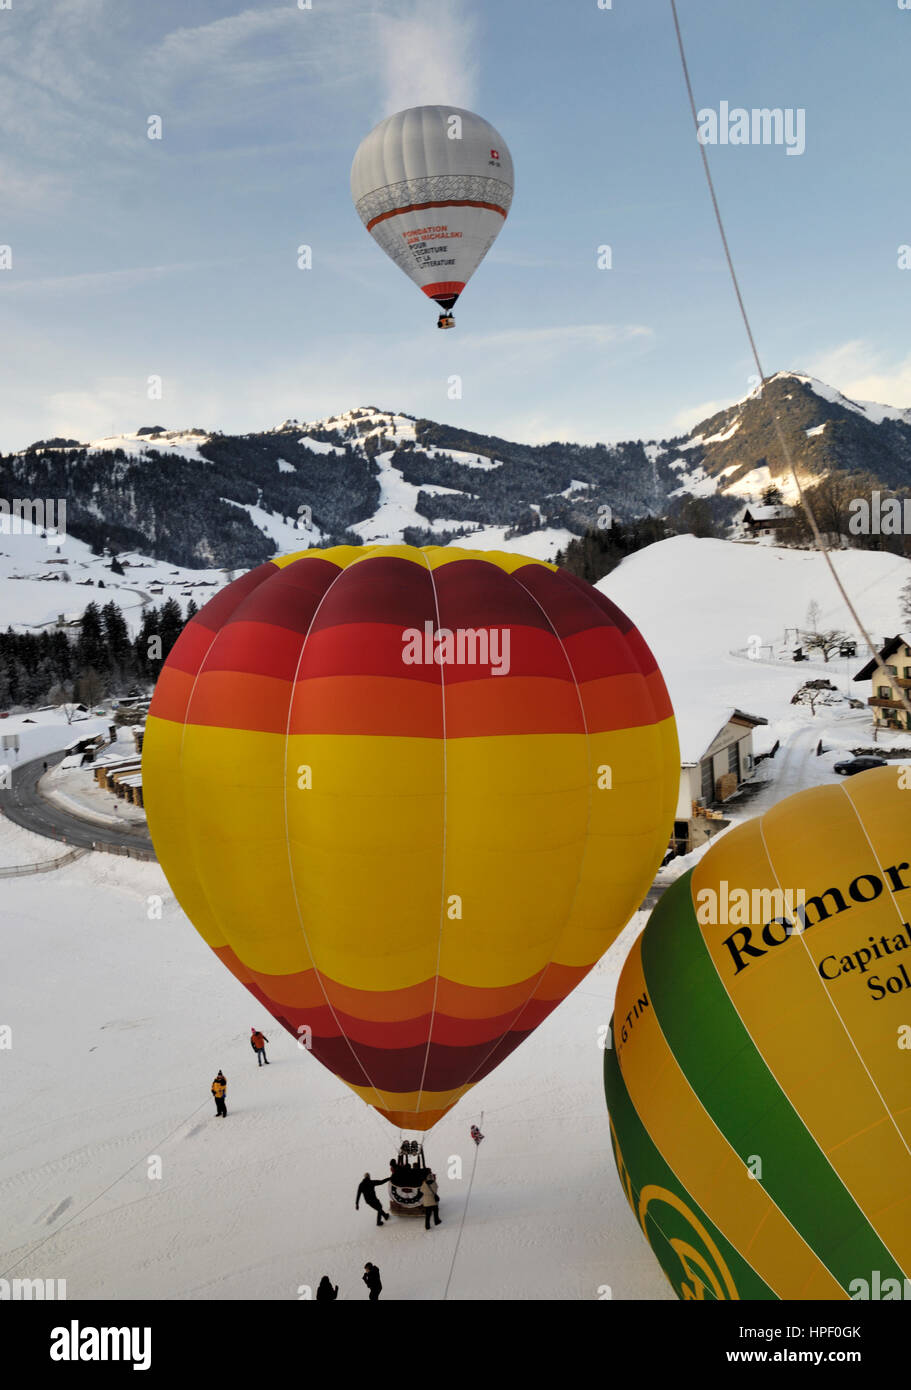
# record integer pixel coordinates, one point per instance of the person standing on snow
(367, 1190)
(326, 1290)
(476, 1134)
(430, 1200)
(258, 1042)
(371, 1278)
(219, 1087)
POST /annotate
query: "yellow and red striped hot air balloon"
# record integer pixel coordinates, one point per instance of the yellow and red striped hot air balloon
(759, 1083)
(409, 797)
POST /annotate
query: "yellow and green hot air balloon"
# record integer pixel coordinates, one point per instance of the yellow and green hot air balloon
(409, 797)
(759, 1079)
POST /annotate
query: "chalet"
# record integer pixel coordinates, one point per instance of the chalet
(766, 520)
(80, 752)
(886, 691)
(716, 751)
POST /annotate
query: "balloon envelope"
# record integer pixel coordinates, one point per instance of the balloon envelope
(409, 797)
(758, 1085)
(433, 186)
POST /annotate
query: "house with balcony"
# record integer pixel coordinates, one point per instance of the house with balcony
(887, 690)
(716, 759)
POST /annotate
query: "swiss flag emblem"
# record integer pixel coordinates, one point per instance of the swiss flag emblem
(495, 154)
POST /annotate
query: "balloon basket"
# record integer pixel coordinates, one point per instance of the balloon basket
(408, 1172)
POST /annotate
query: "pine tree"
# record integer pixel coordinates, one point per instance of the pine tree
(117, 640)
(91, 648)
(170, 625)
(146, 664)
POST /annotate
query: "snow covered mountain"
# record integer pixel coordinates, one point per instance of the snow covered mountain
(737, 452)
(208, 500)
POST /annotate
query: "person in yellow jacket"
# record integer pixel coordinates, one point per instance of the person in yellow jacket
(219, 1087)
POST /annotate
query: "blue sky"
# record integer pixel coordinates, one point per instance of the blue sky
(176, 258)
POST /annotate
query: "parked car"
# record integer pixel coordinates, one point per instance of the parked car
(848, 769)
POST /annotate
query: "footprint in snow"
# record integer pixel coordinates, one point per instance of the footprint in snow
(59, 1210)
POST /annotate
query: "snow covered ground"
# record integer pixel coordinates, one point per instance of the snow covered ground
(44, 579)
(119, 1022)
(698, 603)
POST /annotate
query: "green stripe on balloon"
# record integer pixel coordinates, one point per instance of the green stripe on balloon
(663, 1221)
(723, 1065)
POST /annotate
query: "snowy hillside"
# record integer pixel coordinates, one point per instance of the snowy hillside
(703, 605)
(42, 580)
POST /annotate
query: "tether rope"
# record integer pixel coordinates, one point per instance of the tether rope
(818, 537)
(464, 1213)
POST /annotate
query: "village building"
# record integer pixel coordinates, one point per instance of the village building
(767, 520)
(717, 758)
(886, 694)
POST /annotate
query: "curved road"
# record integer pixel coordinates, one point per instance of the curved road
(24, 804)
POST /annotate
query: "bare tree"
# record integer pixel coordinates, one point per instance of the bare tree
(827, 642)
(905, 600)
(89, 687)
(61, 697)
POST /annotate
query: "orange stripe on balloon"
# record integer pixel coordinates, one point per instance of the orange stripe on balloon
(303, 990)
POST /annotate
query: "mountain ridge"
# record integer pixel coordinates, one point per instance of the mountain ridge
(376, 475)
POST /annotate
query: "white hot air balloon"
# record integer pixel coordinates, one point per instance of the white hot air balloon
(433, 185)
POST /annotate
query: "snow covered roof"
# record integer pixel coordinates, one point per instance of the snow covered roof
(772, 513)
(699, 725)
(890, 648)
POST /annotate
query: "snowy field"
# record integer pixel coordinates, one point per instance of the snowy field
(120, 1022)
(698, 603)
(34, 593)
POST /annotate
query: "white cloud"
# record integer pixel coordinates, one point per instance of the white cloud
(94, 413)
(426, 55)
(560, 337)
(99, 280)
(858, 370)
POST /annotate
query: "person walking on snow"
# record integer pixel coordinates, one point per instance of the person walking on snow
(258, 1042)
(476, 1134)
(430, 1200)
(219, 1087)
(371, 1278)
(367, 1190)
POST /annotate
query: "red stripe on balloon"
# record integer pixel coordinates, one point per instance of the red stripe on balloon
(445, 203)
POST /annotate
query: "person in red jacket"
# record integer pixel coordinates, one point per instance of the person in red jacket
(258, 1042)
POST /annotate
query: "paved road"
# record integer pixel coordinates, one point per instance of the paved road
(24, 804)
